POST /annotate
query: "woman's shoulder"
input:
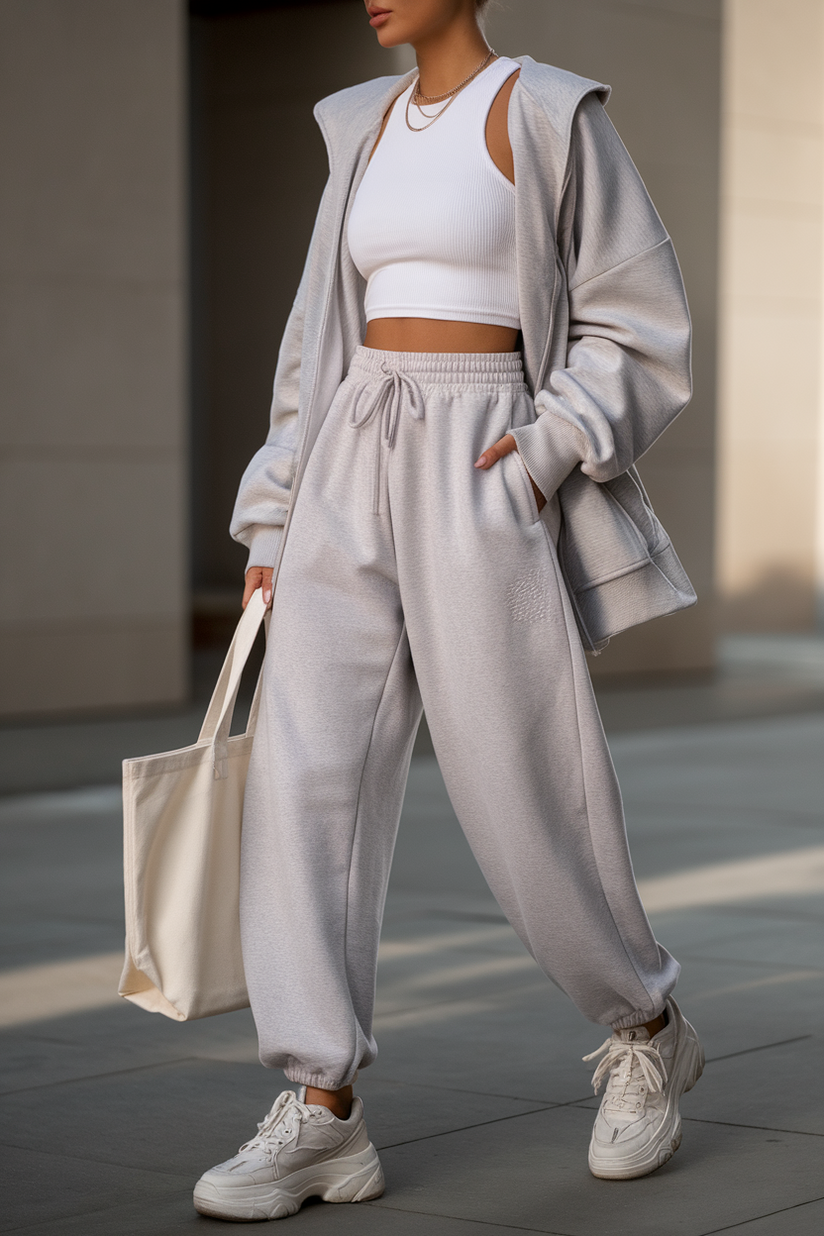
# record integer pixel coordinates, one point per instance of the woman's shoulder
(557, 92)
(345, 116)
(359, 103)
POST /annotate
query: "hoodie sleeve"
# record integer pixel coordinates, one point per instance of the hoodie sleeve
(628, 358)
(266, 485)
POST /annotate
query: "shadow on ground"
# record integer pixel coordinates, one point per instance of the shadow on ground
(479, 1100)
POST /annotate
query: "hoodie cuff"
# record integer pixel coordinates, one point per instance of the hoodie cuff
(550, 448)
(264, 545)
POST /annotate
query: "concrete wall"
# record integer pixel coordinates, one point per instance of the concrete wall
(93, 236)
(662, 59)
(259, 168)
(260, 171)
(770, 469)
(93, 595)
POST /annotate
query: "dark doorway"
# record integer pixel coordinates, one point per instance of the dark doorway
(258, 168)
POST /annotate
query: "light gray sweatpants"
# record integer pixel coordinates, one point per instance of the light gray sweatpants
(409, 574)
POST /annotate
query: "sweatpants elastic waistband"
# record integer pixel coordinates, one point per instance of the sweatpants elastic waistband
(442, 368)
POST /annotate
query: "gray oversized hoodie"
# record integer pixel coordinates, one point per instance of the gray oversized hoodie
(605, 340)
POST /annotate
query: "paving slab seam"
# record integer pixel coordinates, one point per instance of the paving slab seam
(35, 1038)
(485, 1094)
(790, 976)
(437, 1214)
(80, 1214)
(85, 1158)
(706, 733)
(748, 1051)
(481, 1124)
(71, 1081)
(759, 1128)
(588, 1098)
(439, 1004)
(755, 1219)
(778, 814)
(482, 1094)
(582, 1104)
(491, 999)
(744, 962)
(753, 910)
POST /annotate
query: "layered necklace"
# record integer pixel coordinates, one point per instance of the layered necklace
(447, 99)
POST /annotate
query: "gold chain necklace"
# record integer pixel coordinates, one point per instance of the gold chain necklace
(416, 97)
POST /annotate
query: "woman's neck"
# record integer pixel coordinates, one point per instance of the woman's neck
(450, 56)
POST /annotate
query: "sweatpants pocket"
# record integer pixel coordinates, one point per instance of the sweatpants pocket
(526, 482)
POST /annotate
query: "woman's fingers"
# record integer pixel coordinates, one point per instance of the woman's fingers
(258, 577)
(502, 447)
(266, 584)
(252, 583)
(493, 453)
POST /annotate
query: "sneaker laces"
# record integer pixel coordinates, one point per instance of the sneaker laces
(628, 1065)
(279, 1125)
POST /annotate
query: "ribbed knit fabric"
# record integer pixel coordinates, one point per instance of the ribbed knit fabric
(432, 228)
(604, 323)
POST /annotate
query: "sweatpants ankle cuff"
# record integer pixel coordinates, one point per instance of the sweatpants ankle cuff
(318, 1081)
(638, 1019)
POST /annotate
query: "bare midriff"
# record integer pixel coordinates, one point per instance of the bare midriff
(437, 335)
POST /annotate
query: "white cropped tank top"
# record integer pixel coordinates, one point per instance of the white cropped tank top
(432, 227)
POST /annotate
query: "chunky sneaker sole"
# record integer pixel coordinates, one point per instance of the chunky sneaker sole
(356, 1178)
(688, 1067)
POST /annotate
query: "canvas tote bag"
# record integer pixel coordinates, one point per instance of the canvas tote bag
(181, 818)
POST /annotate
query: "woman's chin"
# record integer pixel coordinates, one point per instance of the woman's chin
(387, 39)
(392, 31)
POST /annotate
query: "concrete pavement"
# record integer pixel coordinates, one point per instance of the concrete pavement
(479, 1101)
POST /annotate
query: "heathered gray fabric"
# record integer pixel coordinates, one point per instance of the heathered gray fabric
(605, 325)
(402, 553)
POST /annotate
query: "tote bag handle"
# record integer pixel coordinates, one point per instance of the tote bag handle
(218, 719)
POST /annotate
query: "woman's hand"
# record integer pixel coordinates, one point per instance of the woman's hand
(502, 447)
(258, 577)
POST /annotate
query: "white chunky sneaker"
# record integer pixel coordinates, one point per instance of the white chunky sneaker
(638, 1126)
(300, 1151)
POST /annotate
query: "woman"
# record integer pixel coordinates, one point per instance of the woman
(491, 324)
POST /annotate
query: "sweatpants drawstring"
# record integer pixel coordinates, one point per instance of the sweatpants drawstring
(384, 397)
